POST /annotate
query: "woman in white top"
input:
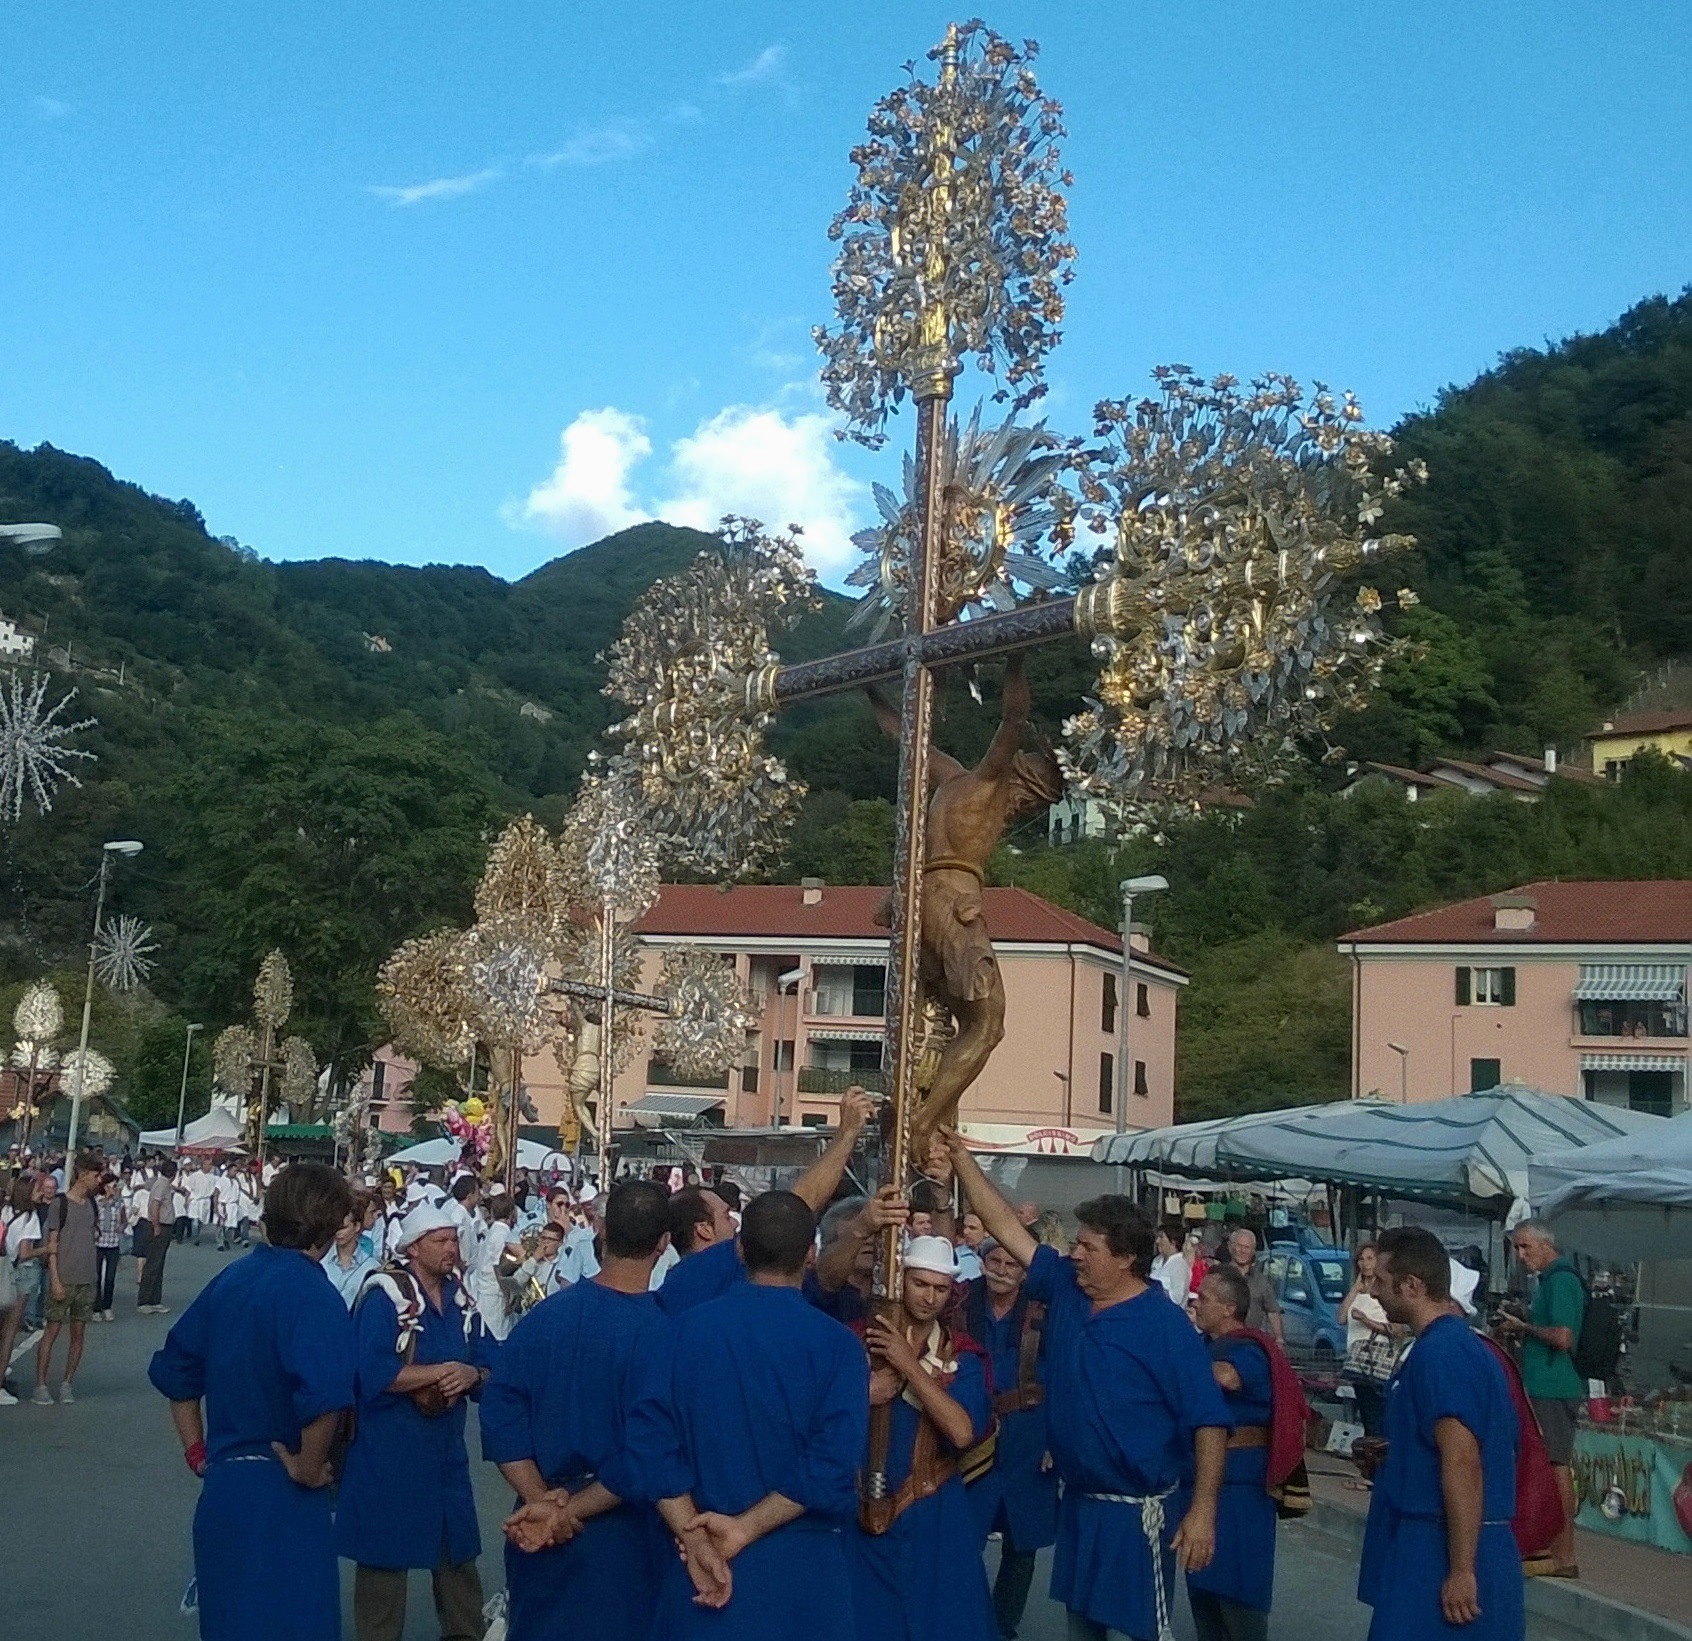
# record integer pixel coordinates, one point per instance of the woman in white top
(1361, 1312)
(25, 1247)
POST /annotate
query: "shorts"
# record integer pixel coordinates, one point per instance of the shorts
(1556, 1417)
(76, 1306)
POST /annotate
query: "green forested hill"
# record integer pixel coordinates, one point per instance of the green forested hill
(316, 754)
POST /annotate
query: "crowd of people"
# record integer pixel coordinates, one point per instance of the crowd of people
(712, 1427)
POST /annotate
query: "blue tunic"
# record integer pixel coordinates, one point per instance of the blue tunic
(406, 1499)
(1448, 1374)
(1127, 1388)
(1017, 1493)
(562, 1395)
(845, 1303)
(923, 1578)
(269, 1346)
(1244, 1568)
(698, 1278)
(767, 1396)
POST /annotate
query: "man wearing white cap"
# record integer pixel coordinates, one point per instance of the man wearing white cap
(916, 1557)
(406, 1499)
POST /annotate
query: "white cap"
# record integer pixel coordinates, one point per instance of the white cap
(1463, 1285)
(588, 1192)
(496, 1189)
(930, 1253)
(423, 1219)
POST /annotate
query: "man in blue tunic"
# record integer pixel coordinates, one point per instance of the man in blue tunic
(1017, 1497)
(586, 1549)
(916, 1557)
(1137, 1426)
(1231, 1597)
(844, 1275)
(267, 1348)
(1439, 1556)
(765, 1426)
(406, 1499)
(717, 1267)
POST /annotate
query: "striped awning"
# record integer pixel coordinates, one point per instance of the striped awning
(1633, 1062)
(1630, 983)
(869, 1032)
(673, 1105)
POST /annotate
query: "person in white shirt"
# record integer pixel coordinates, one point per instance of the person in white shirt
(226, 1201)
(1170, 1267)
(482, 1280)
(202, 1184)
(461, 1210)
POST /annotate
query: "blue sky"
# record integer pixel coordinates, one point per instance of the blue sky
(430, 282)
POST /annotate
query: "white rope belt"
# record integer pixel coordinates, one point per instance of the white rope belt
(1151, 1524)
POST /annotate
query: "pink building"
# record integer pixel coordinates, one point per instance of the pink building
(1574, 988)
(814, 962)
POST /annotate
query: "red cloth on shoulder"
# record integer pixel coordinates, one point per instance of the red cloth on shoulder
(1290, 1412)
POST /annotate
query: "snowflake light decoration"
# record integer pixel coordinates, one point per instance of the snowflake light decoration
(955, 236)
(91, 1068)
(39, 1016)
(35, 750)
(122, 953)
(710, 1014)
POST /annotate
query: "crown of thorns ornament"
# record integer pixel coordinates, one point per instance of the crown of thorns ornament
(955, 236)
(1005, 507)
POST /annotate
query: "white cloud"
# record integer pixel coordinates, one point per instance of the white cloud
(769, 67)
(768, 466)
(751, 460)
(48, 108)
(417, 193)
(596, 146)
(587, 495)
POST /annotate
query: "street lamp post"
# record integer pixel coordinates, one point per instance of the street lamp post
(128, 848)
(1403, 1071)
(1132, 886)
(182, 1098)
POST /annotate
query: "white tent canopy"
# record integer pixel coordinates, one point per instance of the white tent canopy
(1475, 1148)
(439, 1153)
(1629, 1198)
(219, 1126)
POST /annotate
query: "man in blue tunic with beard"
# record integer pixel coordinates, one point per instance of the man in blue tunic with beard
(267, 1348)
(916, 1557)
(1439, 1556)
(406, 1499)
(1018, 1495)
(587, 1550)
(1137, 1425)
(765, 1427)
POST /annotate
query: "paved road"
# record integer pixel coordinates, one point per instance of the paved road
(97, 1508)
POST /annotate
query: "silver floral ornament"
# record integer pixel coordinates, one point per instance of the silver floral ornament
(89, 1067)
(705, 1031)
(233, 1055)
(505, 977)
(298, 1083)
(39, 1016)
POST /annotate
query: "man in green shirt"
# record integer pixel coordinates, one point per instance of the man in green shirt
(1549, 1375)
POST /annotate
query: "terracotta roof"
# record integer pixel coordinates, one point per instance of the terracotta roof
(1410, 777)
(1645, 911)
(847, 912)
(1493, 777)
(1644, 723)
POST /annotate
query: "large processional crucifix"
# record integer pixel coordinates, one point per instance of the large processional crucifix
(1228, 520)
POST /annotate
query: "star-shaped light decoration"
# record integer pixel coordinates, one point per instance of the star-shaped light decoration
(123, 953)
(36, 754)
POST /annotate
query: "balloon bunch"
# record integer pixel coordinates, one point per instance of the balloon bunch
(470, 1122)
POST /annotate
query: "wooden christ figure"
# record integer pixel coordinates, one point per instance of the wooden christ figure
(969, 811)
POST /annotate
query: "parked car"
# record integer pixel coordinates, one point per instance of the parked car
(1310, 1283)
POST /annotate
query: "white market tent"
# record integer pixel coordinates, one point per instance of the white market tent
(1472, 1151)
(441, 1152)
(218, 1127)
(1629, 1198)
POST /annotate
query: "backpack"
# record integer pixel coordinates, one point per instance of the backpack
(1538, 1516)
(1598, 1347)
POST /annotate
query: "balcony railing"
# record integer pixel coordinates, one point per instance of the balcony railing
(659, 1075)
(838, 1005)
(828, 1080)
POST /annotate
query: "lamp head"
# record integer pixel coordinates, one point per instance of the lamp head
(124, 846)
(1398, 1048)
(1148, 885)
